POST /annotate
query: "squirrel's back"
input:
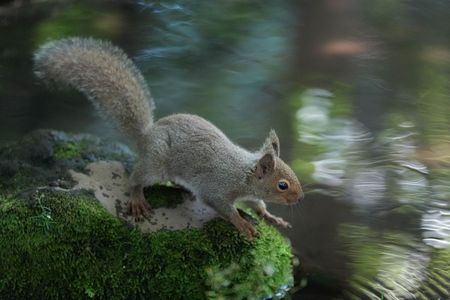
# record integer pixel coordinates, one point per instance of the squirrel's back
(105, 75)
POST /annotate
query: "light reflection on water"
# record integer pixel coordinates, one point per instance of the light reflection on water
(435, 221)
(396, 269)
(391, 182)
(363, 117)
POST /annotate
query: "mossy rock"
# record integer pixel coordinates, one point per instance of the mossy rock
(44, 156)
(64, 244)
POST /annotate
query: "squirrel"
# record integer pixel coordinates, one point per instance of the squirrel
(182, 148)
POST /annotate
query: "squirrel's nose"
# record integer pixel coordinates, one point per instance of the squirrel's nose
(302, 196)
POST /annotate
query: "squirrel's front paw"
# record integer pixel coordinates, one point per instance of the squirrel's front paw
(139, 209)
(276, 220)
(244, 227)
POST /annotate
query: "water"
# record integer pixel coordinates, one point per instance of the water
(358, 92)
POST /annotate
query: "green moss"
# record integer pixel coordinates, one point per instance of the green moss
(59, 245)
(85, 150)
(14, 184)
(68, 150)
(259, 273)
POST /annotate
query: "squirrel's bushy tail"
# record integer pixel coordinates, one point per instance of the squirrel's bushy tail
(105, 75)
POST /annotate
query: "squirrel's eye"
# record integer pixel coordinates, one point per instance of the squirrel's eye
(283, 185)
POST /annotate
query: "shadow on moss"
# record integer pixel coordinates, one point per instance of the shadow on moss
(163, 195)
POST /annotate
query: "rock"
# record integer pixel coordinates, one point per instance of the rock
(42, 149)
(109, 181)
(64, 232)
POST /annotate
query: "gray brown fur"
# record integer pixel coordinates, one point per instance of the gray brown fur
(105, 75)
(182, 148)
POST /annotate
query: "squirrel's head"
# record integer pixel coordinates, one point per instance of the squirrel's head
(274, 179)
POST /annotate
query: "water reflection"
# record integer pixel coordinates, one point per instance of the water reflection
(337, 138)
(436, 220)
(387, 265)
(436, 226)
(400, 211)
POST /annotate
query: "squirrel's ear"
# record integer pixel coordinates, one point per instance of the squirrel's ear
(272, 143)
(265, 165)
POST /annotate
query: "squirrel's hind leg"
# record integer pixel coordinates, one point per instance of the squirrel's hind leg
(144, 174)
(137, 206)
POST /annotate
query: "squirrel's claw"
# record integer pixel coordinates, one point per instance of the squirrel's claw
(244, 227)
(248, 230)
(139, 209)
